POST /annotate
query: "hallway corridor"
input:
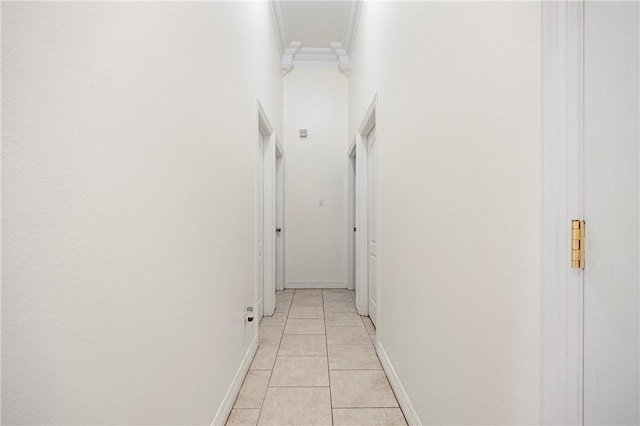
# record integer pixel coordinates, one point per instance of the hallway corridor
(316, 364)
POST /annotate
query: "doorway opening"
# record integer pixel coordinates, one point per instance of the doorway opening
(268, 200)
(365, 195)
(351, 222)
(279, 216)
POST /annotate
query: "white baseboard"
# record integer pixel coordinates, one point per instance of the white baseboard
(234, 389)
(403, 399)
(315, 284)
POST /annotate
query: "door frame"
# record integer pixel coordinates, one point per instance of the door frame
(268, 181)
(562, 200)
(280, 218)
(351, 222)
(369, 121)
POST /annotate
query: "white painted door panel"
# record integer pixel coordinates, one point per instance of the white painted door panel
(611, 192)
(372, 224)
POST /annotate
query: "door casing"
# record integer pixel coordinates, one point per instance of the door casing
(369, 121)
(267, 182)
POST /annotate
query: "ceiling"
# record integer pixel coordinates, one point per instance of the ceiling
(315, 23)
(315, 32)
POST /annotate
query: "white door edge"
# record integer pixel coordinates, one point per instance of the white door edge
(562, 182)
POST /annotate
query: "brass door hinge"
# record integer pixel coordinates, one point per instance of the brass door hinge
(577, 244)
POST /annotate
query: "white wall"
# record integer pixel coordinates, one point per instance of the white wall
(315, 99)
(129, 149)
(459, 138)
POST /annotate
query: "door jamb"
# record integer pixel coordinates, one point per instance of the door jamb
(269, 240)
(562, 200)
(369, 121)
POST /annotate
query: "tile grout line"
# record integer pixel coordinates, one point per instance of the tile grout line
(274, 361)
(326, 340)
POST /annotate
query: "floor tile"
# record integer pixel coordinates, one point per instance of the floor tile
(353, 357)
(303, 344)
(369, 325)
(335, 291)
(300, 371)
(368, 416)
(243, 417)
(306, 312)
(307, 292)
(276, 320)
(337, 297)
(270, 335)
(348, 336)
(296, 406)
(304, 326)
(307, 302)
(284, 297)
(339, 307)
(253, 390)
(283, 306)
(342, 319)
(361, 389)
(265, 357)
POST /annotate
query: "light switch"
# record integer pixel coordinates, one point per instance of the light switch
(320, 202)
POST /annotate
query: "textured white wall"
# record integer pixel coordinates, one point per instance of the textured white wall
(316, 99)
(129, 153)
(459, 171)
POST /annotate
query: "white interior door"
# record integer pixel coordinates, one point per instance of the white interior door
(611, 276)
(372, 224)
(352, 228)
(279, 222)
(260, 225)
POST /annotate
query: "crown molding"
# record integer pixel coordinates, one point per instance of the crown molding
(353, 16)
(322, 57)
(344, 61)
(337, 55)
(287, 57)
(278, 23)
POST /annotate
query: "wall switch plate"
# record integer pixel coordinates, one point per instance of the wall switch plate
(320, 202)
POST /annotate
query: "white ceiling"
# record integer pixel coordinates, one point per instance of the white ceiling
(316, 33)
(315, 23)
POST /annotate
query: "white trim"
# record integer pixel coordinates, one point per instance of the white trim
(409, 412)
(561, 286)
(278, 23)
(315, 284)
(315, 63)
(286, 65)
(269, 223)
(232, 393)
(351, 152)
(362, 292)
(344, 62)
(353, 16)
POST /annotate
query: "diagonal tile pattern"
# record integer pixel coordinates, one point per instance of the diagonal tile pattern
(316, 365)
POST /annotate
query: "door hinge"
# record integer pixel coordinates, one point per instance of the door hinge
(577, 244)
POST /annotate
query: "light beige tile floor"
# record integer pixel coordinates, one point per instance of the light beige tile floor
(316, 365)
